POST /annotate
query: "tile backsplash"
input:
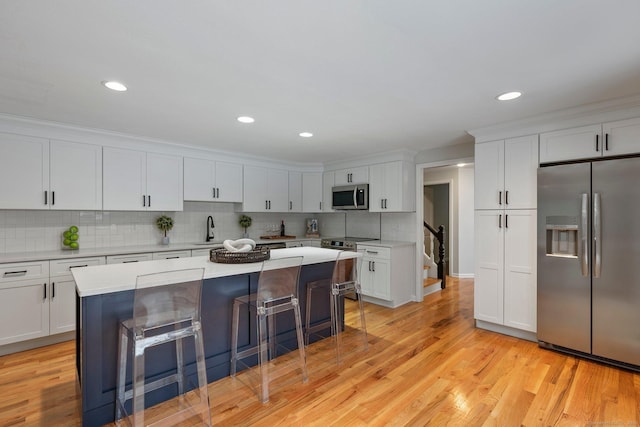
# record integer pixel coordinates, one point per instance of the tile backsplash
(35, 230)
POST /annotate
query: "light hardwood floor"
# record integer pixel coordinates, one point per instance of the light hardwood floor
(426, 365)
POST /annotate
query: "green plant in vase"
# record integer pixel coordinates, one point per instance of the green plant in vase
(245, 222)
(164, 223)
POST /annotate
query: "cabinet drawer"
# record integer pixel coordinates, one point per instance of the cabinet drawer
(375, 251)
(62, 267)
(171, 254)
(24, 270)
(122, 259)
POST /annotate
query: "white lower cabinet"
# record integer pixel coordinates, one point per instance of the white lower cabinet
(171, 254)
(123, 259)
(505, 273)
(387, 273)
(38, 298)
(62, 293)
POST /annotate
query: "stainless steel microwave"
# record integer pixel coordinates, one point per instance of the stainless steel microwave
(350, 197)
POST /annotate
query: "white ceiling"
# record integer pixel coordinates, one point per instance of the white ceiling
(364, 76)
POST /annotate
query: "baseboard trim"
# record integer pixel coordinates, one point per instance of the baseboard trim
(462, 275)
(35, 343)
(506, 330)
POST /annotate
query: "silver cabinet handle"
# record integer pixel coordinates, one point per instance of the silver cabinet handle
(584, 224)
(597, 236)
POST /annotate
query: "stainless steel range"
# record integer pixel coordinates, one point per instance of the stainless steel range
(343, 243)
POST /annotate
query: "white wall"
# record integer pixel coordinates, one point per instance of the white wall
(465, 222)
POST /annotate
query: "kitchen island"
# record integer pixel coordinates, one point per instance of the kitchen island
(105, 297)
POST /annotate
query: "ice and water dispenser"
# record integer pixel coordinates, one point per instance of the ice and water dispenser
(562, 236)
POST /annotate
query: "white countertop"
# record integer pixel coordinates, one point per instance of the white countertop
(103, 279)
(124, 250)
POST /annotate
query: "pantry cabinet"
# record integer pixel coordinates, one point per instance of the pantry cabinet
(505, 268)
(212, 181)
(593, 141)
(136, 180)
(391, 187)
(506, 174)
(36, 173)
(265, 189)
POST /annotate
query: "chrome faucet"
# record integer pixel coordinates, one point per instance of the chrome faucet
(210, 227)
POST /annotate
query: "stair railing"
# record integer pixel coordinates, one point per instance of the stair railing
(440, 235)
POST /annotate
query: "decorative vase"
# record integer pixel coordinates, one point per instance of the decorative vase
(245, 235)
(165, 240)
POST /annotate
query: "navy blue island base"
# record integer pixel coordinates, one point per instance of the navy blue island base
(99, 316)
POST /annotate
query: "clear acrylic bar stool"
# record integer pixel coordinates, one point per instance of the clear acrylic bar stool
(277, 293)
(345, 281)
(166, 309)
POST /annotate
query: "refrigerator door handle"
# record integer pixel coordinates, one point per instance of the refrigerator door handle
(584, 221)
(597, 236)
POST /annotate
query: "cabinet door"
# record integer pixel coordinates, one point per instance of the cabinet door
(520, 285)
(164, 182)
(228, 182)
(489, 175)
(24, 310)
(295, 191)
(312, 192)
(489, 271)
(359, 175)
(75, 175)
(377, 188)
(123, 181)
(367, 277)
(328, 181)
(199, 180)
(571, 144)
(255, 197)
(520, 173)
(24, 172)
(62, 305)
(621, 137)
(278, 190)
(381, 279)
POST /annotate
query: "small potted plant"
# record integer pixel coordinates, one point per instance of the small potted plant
(164, 223)
(245, 222)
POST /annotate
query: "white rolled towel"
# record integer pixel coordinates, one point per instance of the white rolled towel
(240, 245)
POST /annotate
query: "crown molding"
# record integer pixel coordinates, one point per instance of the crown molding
(610, 110)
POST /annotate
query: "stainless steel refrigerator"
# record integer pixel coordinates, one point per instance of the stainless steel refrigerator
(589, 259)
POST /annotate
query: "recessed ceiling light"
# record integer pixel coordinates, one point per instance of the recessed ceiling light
(306, 134)
(117, 86)
(246, 119)
(508, 96)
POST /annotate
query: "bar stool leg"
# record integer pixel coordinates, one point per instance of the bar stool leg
(122, 371)
(336, 317)
(362, 321)
(303, 356)
(202, 372)
(138, 385)
(263, 358)
(234, 337)
(180, 364)
(307, 315)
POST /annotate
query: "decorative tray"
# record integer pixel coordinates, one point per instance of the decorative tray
(224, 256)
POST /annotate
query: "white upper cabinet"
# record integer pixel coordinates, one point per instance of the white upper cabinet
(38, 174)
(212, 181)
(75, 172)
(328, 181)
(587, 142)
(135, 180)
(506, 174)
(359, 175)
(312, 192)
(295, 191)
(391, 187)
(265, 189)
